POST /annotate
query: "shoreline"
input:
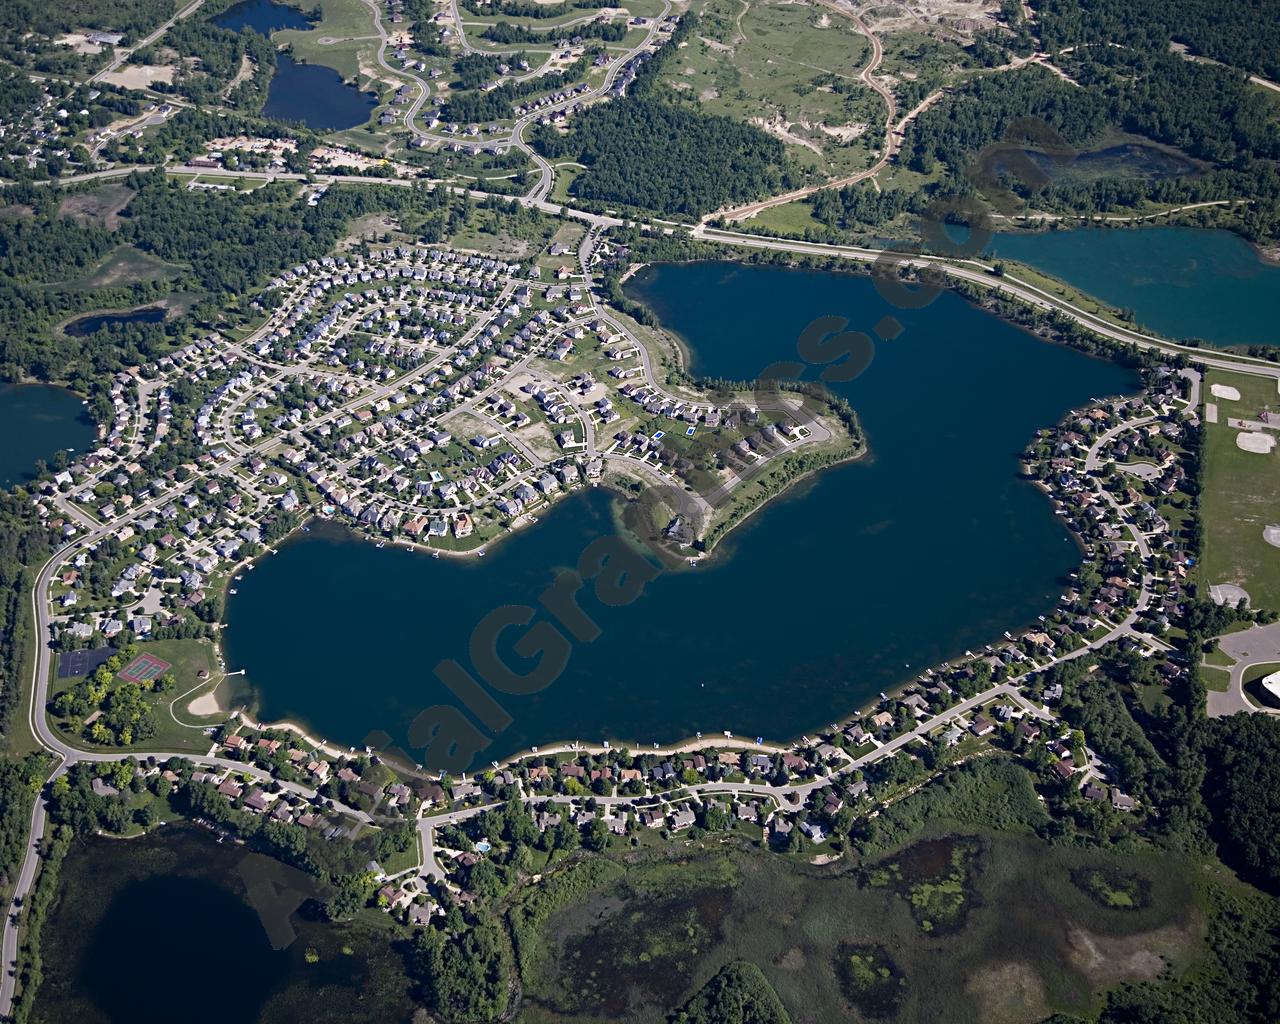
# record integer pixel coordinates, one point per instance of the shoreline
(687, 743)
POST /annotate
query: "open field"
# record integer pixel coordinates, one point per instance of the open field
(789, 219)
(122, 266)
(790, 69)
(1241, 495)
(186, 659)
(989, 928)
(343, 39)
(99, 208)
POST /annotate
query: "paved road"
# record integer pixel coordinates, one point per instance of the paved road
(977, 272)
(1259, 645)
(122, 55)
(1093, 460)
(788, 796)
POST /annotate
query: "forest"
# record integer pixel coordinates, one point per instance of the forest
(507, 32)
(1244, 34)
(530, 8)
(220, 53)
(132, 17)
(1210, 113)
(652, 154)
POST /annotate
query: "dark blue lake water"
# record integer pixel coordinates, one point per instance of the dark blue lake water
(850, 585)
(36, 422)
(311, 94)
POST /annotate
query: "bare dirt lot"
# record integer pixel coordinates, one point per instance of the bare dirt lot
(100, 207)
(140, 76)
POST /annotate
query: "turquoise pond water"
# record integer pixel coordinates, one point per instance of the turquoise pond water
(1182, 282)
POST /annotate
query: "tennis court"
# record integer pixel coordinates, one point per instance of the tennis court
(144, 668)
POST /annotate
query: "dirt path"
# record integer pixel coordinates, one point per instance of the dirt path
(895, 134)
(892, 137)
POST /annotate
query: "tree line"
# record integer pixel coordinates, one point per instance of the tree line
(1244, 34)
(507, 32)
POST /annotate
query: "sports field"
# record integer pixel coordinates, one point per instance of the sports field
(144, 668)
(1241, 494)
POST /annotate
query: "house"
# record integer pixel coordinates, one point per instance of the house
(982, 726)
(464, 790)
(1121, 801)
(813, 830)
(103, 788)
(794, 762)
(682, 819)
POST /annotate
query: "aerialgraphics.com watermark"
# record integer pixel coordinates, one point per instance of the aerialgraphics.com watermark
(617, 570)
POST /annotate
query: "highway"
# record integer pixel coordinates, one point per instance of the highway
(977, 272)
(972, 271)
(121, 55)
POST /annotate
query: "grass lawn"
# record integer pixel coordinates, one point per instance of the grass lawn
(566, 173)
(1053, 286)
(1217, 679)
(790, 219)
(187, 658)
(1219, 659)
(1241, 495)
(352, 46)
(403, 860)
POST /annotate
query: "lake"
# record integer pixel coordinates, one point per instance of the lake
(36, 422)
(851, 585)
(312, 94)
(262, 16)
(316, 96)
(176, 899)
(87, 325)
(1182, 282)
